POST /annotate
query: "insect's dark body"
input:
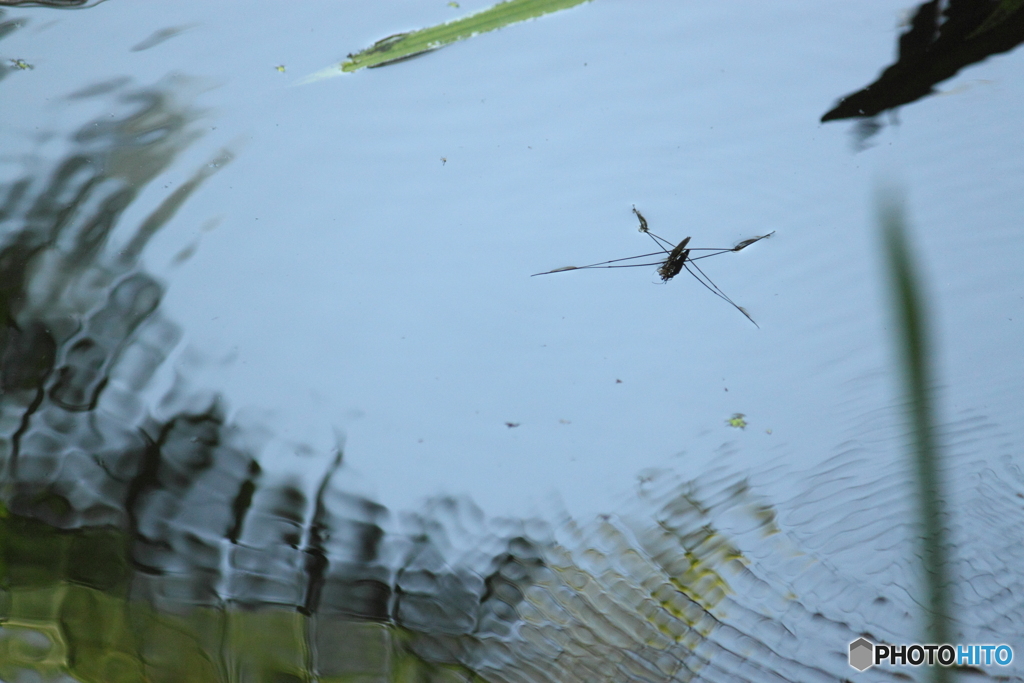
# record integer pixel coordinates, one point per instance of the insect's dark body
(673, 265)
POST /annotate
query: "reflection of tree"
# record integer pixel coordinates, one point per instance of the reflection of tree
(137, 548)
(124, 539)
(143, 548)
(943, 38)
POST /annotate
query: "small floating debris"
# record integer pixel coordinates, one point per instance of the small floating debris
(737, 421)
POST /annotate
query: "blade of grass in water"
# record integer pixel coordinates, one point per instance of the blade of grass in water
(910, 318)
(406, 45)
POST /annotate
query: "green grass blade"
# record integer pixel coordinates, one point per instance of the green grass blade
(910, 318)
(406, 45)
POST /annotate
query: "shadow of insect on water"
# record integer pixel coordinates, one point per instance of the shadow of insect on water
(676, 258)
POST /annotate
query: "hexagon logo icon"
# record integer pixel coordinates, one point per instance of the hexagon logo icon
(862, 654)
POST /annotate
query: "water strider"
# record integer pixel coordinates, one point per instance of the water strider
(678, 257)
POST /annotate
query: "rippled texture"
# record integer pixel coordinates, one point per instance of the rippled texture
(137, 548)
(698, 580)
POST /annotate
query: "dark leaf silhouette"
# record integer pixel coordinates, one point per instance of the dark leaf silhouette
(937, 45)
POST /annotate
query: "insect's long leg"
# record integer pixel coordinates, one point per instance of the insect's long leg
(630, 265)
(662, 243)
(626, 258)
(722, 250)
(739, 247)
(714, 289)
(746, 243)
(604, 264)
(717, 252)
(709, 283)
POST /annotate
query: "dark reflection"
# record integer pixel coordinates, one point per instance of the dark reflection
(57, 4)
(943, 37)
(9, 27)
(138, 548)
(161, 36)
(6, 28)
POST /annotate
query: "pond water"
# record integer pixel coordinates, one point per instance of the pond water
(315, 299)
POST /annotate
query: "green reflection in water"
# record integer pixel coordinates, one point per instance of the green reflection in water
(913, 346)
(108, 572)
(66, 609)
